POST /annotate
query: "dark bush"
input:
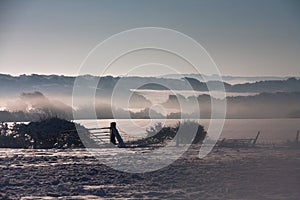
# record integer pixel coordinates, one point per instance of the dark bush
(47, 133)
(159, 135)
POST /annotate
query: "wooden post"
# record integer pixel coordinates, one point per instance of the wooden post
(255, 140)
(112, 135)
(116, 134)
(297, 137)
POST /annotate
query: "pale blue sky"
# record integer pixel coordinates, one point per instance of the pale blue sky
(248, 38)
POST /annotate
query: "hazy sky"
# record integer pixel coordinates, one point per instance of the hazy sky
(247, 38)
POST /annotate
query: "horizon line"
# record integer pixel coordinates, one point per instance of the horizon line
(154, 76)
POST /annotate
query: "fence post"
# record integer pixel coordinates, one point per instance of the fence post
(116, 133)
(297, 137)
(255, 140)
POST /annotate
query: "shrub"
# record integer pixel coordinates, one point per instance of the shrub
(159, 135)
(47, 133)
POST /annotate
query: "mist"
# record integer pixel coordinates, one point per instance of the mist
(26, 98)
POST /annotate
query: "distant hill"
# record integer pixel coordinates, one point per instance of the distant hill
(289, 85)
(226, 78)
(63, 85)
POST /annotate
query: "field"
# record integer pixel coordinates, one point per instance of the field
(226, 173)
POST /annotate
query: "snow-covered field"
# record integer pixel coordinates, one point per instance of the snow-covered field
(226, 173)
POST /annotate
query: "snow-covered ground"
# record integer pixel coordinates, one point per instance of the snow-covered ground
(226, 173)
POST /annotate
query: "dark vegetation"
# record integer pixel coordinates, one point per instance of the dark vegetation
(59, 133)
(263, 105)
(47, 133)
(159, 135)
(33, 106)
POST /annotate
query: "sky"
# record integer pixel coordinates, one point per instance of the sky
(244, 38)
